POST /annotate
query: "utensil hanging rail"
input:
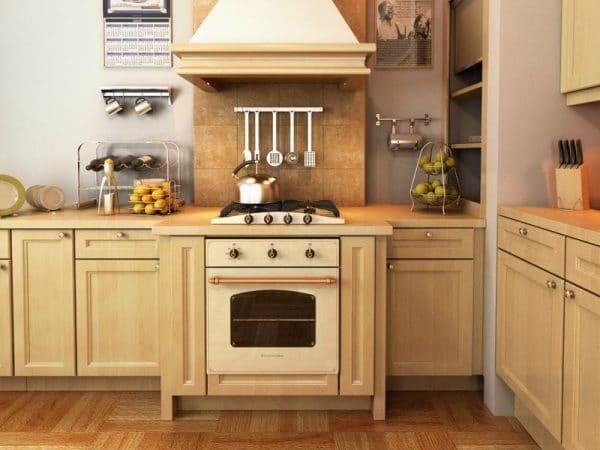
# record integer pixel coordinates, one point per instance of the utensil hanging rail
(426, 119)
(241, 109)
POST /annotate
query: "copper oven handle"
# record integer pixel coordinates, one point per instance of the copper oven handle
(217, 281)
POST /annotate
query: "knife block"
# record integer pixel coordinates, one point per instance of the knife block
(572, 190)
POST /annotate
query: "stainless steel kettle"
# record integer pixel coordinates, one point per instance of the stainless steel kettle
(255, 189)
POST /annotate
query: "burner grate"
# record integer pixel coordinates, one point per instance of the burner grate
(307, 207)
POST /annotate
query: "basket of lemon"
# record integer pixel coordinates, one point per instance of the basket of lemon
(154, 198)
(435, 181)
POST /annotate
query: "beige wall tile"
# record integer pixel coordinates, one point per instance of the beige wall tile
(213, 187)
(216, 147)
(343, 147)
(302, 184)
(301, 144)
(344, 186)
(343, 108)
(215, 108)
(258, 94)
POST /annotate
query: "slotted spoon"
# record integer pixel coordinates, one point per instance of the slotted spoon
(275, 157)
(309, 154)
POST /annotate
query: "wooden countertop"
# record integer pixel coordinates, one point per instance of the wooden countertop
(583, 225)
(360, 221)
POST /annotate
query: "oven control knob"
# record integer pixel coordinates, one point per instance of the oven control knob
(288, 218)
(307, 219)
(248, 219)
(310, 253)
(268, 219)
(272, 253)
(234, 253)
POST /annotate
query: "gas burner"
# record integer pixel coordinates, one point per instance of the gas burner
(287, 212)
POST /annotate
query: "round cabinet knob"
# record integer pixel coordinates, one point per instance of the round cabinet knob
(288, 218)
(268, 219)
(569, 294)
(234, 253)
(310, 253)
(62, 235)
(551, 284)
(272, 253)
(248, 219)
(120, 235)
(307, 219)
(157, 266)
(429, 235)
(390, 267)
(523, 231)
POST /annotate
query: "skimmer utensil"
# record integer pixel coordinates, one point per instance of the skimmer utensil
(257, 136)
(309, 154)
(275, 157)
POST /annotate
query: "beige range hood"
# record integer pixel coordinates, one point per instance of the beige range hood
(275, 41)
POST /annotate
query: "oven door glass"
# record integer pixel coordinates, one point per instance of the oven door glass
(273, 318)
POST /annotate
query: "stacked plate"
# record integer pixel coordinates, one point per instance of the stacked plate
(12, 195)
(46, 198)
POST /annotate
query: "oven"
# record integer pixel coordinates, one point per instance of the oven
(272, 307)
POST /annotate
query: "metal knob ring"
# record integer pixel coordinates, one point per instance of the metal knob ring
(551, 284)
(120, 235)
(429, 235)
(523, 231)
(61, 235)
(569, 294)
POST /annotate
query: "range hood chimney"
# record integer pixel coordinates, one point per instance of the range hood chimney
(273, 41)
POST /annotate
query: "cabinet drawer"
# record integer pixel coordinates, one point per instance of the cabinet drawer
(4, 244)
(583, 265)
(116, 244)
(535, 245)
(432, 243)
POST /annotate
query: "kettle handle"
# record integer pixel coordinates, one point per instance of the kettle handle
(242, 165)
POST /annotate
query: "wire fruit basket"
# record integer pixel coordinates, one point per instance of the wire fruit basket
(435, 181)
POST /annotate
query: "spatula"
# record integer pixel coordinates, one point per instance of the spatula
(309, 154)
(247, 152)
(275, 157)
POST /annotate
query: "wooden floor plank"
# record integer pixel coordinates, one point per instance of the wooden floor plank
(126, 420)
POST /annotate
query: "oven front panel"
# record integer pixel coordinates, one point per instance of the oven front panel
(271, 327)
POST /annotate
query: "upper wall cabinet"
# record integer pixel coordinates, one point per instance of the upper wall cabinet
(580, 44)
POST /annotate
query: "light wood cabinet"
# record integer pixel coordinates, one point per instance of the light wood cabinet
(116, 244)
(580, 43)
(43, 302)
(581, 413)
(4, 244)
(357, 311)
(117, 318)
(529, 342)
(431, 244)
(6, 342)
(182, 320)
(430, 318)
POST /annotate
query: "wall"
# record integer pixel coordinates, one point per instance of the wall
(527, 115)
(52, 71)
(402, 93)
(338, 133)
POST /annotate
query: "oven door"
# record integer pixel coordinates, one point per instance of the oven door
(272, 320)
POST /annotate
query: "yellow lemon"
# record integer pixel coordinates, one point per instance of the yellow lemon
(141, 189)
(138, 208)
(147, 199)
(160, 203)
(158, 193)
(166, 186)
(149, 209)
(134, 198)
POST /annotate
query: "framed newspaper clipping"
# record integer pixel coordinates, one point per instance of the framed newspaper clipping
(404, 33)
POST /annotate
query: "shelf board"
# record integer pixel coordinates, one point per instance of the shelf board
(470, 145)
(473, 90)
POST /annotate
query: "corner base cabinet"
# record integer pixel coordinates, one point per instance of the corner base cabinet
(6, 339)
(529, 351)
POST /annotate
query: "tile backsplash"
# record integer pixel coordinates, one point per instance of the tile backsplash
(338, 133)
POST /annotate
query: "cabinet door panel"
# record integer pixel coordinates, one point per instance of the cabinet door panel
(580, 43)
(581, 414)
(430, 318)
(117, 318)
(529, 352)
(43, 302)
(6, 344)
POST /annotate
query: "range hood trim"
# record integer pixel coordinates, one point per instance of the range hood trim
(210, 66)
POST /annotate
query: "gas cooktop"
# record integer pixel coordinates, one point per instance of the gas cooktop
(287, 212)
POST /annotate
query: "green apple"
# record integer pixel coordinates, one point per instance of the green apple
(424, 160)
(431, 198)
(439, 156)
(450, 162)
(436, 183)
(440, 191)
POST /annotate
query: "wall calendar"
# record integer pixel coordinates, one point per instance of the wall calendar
(137, 33)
